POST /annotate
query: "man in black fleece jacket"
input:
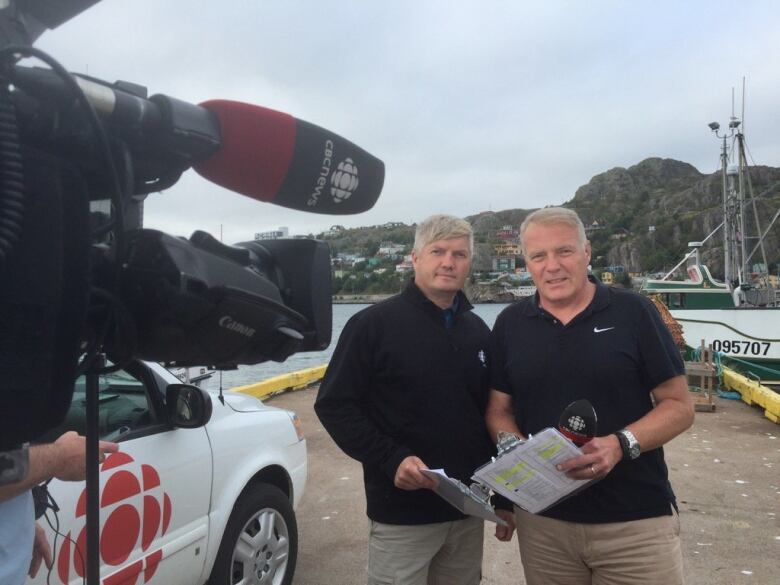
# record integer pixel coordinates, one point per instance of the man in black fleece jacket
(406, 390)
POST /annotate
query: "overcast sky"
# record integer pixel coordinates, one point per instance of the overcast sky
(472, 106)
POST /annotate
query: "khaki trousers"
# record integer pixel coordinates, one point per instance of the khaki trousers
(446, 553)
(645, 552)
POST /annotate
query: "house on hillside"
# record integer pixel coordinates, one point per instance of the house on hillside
(282, 232)
(333, 232)
(503, 264)
(404, 267)
(594, 226)
(507, 233)
(507, 249)
(391, 250)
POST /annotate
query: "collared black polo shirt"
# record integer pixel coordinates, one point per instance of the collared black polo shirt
(614, 354)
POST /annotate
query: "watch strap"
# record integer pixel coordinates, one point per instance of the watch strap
(624, 445)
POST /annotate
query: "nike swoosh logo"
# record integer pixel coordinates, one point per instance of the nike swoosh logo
(597, 330)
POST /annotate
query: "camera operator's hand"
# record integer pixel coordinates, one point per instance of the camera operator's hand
(65, 459)
(69, 452)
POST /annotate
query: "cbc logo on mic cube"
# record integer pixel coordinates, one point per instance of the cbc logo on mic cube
(344, 181)
(576, 423)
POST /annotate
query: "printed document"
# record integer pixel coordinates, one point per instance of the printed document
(526, 474)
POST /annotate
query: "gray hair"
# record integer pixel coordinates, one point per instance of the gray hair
(442, 227)
(554, 216)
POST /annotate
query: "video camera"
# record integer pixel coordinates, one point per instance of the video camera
(79, 274)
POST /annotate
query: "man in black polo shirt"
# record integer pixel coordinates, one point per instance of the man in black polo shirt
(577, 338)
(406, 390)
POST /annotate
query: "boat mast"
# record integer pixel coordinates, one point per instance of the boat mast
(737, 194)
(740, 207)
(760, 235)
(742, 172)
(729, 196)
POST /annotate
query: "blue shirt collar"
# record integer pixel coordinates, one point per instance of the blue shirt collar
(450, 312)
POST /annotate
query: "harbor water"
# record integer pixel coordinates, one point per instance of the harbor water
(300, 361)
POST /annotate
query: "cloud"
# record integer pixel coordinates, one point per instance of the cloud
(471, 106)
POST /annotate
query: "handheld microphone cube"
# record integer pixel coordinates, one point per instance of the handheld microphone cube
(578, 422)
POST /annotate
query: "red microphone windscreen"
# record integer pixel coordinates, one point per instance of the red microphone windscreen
(257, 148)
(271, 156)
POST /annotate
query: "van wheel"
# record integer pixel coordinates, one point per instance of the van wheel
(260, 544)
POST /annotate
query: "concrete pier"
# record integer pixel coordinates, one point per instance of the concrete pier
(725, 471)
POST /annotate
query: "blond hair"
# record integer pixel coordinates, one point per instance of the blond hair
(442, 227)
(554, 216)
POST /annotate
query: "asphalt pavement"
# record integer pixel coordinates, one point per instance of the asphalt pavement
(725, 471)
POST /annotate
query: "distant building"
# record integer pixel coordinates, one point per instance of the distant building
(333, 232)
(593, 227)
(356, 260)
(390, 250)
(507, 233)
(282, 232)
(349, 259)
(404, 267)
(507, 249)
(607, 277)
(503, 263)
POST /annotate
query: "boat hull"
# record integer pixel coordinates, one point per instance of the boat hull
(745, 334)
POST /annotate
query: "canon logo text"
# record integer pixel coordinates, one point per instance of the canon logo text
(229, 323)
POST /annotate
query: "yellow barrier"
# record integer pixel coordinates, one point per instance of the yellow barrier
(754, 393)
(283, 383)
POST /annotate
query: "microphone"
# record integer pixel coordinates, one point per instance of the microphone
(271, 156)
(578, 422)
(258, 152)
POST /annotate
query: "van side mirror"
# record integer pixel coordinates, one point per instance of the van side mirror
(187, 406)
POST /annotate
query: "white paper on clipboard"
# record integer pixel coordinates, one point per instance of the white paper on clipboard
(526, 473)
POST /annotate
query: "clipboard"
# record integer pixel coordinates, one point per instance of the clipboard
(472, 502)
(526, 474)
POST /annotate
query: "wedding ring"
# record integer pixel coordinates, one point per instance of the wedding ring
(592, 469)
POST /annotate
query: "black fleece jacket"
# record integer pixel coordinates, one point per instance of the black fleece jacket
(400, 383)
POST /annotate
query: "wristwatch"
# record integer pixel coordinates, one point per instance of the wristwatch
(628, 444)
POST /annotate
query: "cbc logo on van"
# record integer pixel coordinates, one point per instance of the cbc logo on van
(135, 510)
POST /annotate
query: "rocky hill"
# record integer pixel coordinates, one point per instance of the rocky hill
(679, 202)
(619, 206)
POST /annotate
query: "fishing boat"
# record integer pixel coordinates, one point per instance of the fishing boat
(192, 375)
(739, 317)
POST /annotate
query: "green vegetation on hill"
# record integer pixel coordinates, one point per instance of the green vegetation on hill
(640, 218)
(365, 241)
